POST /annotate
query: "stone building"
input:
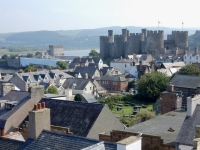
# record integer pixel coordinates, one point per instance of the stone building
(56, 50)
(141, 43)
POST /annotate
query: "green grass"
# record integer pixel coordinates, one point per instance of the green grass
(6, 51)
(127, 110)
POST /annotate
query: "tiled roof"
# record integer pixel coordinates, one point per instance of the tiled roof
(186, 81)
(10, 144)
(77, 116)
(76, 83)
(187, 132)
(57, 141)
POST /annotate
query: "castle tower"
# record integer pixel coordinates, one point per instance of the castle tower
(155, 40)
(144, 31)
(110, 36)
(180, 39)
(124, 35)
(196, 50)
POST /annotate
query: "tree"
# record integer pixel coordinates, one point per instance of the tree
(52, 90)
(13, 56)
(192, 70)
(4, 56)
(29, 68)
(77, 97)
(133, 84)
(38, 53)
(93, 53)
(61, 65)
(29, 55)
(151, 85)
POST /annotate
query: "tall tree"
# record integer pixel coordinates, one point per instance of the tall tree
(52, 90)
(29, 69)
(61, 65)
(151, 85)
(93, 53)
(4, 56)
(192, 70)
(29, 55)
(77, 97)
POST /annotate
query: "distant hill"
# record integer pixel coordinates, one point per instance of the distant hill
(73, 39)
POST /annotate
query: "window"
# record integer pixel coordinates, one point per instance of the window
(185, 57)
(125, 65)
(190, 57)
(197, 57)
(130, 64)
(85, 89)
(90, 88)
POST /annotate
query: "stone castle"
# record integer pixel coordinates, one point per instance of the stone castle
(146, 42)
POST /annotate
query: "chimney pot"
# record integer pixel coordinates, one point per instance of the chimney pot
(39, 105)
(35, 107)
(43, 105)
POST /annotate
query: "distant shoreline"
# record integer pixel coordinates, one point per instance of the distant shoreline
(81, 49)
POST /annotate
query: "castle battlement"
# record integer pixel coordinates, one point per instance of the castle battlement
(103, 36)
(117, 35)
(179, 32)
(150, 32)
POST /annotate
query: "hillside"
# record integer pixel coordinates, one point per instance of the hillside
(72, 39)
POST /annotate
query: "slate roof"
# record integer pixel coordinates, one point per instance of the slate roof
(89, 70)
(187, 131)
(173, 65)
(78, 83)
(59, 72)
(186, 81)
(159, 126)
(96, 59)
(52, 140)
(113, 78)
(104, 70)
(89, 98)
(77, 116)
(20, 96)
(10, 144)
(5, 78)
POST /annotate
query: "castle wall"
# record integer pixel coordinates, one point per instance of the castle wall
(141, 43)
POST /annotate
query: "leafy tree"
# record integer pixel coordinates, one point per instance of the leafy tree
(13, 56)
(4, 56)
(192, 70)
(29, 68)
(133, 84)
(146, 114)
(151, 85)
(38, 53)
(29, 55)
(61, 65)
(77, 97)
(93, 53)
(52, 90)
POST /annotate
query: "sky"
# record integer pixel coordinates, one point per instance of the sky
(52, 15)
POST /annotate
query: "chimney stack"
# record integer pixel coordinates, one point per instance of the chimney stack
(39, 119)
(132, 142)
(68, 93)
(86, 76)
(6, 87)
(36, 91)
(170, 87)
(192, 101)
(196, 50)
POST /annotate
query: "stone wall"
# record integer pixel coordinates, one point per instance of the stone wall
(149, 142)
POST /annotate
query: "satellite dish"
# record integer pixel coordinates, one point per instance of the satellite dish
(139, 135)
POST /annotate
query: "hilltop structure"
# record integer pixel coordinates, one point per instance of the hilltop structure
(146, 42)
(56, 50)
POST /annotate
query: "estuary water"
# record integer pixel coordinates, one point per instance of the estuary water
(78, 52)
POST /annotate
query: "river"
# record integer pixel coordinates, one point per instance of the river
(78, 52)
